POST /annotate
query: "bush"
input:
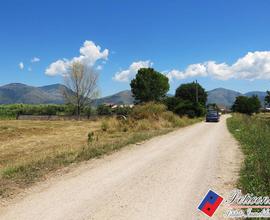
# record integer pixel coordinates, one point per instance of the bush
(185, 107)
(150, 110)
(122, 110)
(104, 126)
(145, 117)
(90, 137)
(170, 116)
(104, 110)
(87, 111)
(189, 109)
(171, 103)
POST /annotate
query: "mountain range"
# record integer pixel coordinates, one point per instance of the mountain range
(52, 94)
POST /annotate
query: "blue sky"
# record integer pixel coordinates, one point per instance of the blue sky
(169, 35)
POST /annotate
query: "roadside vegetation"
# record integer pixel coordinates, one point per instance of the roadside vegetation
(13, 110)
(252, 132)
(247, 105)
(189, 99)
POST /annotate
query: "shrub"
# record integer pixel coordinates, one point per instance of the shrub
(104, 126)
(185, 107)
(149, 110)
(104, 110)
(171, 103)
(190, 109)
(172, 118)
(90, 137)
(122, 110)
(87, 111)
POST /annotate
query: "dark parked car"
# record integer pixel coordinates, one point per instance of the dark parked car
(212, 116)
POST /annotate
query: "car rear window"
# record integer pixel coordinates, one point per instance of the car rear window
(212, 113)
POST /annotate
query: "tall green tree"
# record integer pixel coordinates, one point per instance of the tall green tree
(246, 105)
(267, 98)
(188, 92)
(149, 85)
(185, 102)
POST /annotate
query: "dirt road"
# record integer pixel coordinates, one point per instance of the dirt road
(164, 178)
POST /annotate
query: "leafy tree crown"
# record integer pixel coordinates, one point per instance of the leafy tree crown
(149, 85)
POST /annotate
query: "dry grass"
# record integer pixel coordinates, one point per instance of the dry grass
(31, 149)
(21, 141)
(265, 115)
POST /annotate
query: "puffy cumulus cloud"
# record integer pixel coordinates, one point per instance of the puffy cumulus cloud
(99, 67)
(254, 65)
(35, 60)
(21, 65)
(90, 53)
(128, 74)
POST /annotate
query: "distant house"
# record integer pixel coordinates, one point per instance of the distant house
(114, 106)
(223, 109)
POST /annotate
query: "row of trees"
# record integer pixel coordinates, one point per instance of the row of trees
(150, 85)
(246, 105)
(250, 105)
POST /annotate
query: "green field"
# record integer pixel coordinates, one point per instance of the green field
(12, 110)
(253, 133)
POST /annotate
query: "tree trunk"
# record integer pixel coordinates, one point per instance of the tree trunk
(78, 112)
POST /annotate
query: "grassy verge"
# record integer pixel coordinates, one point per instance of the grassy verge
(39, 153)
(253, 134)
(25, 174)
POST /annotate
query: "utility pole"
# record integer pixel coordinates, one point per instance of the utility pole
(197, 98)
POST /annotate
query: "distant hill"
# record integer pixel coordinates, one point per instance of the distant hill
(261, 95)
(123, 97)
(21, 93)
(222, 96)
(227, 97)
(52, 94)
(55, 90)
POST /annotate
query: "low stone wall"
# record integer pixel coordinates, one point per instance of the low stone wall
(53, 117)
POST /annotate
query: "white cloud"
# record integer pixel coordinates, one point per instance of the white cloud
(21, 65)
(89, 55)
(99, 67)
(254, 65)
(128, 74)
(35, 60)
